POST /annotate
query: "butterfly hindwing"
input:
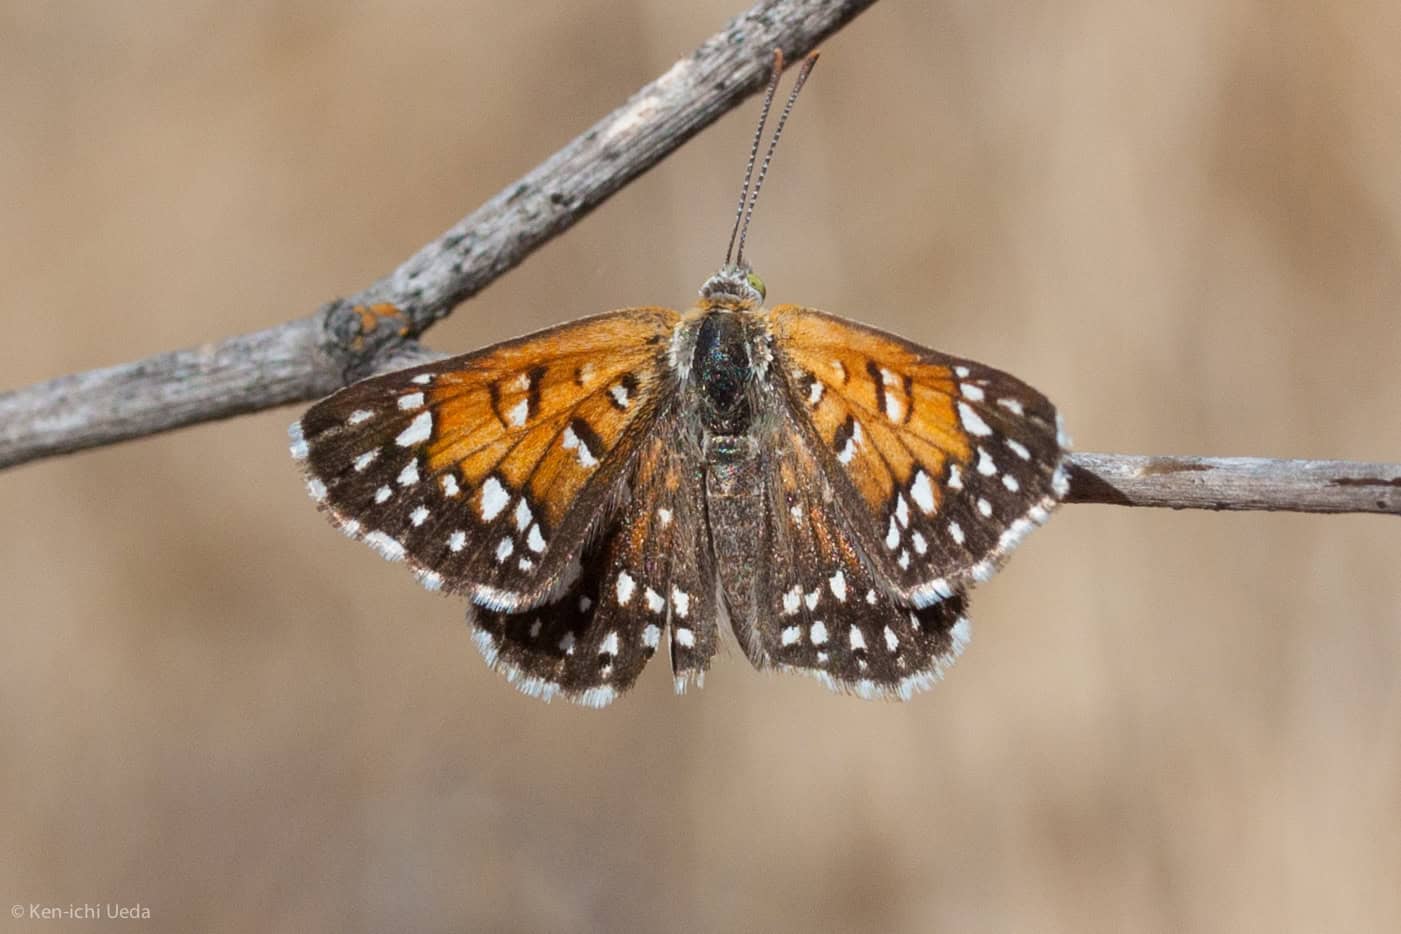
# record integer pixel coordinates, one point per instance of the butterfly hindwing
(951, 462)
(646, 582)
(824, 612)
(488, 471)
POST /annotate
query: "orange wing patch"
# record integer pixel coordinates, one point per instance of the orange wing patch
(878, 403)
(543, 418)
(954, 462)
(487, 471)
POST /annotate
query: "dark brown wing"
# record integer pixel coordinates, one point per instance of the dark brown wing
(648, 581)
(824, 612)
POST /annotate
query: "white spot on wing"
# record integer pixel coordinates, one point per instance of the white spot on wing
(365, 460)
(610, 644)
(410, 401)
(902, 510)
(986, 467)
(848, 451)
(382, 495)
(857, 640)
(680, 602)
(419, 430)
(894, 405)
(961, 632)
(298, 448)
(922, 492)
(535, 541)
(685, 637)
(358, 416)
(891, 641)
(972, 421)
(1012, 405)
(838, 584)
(1010, 482)
(504, 549)
(419, 516)
(819, 633)
(450, 487)
(388, 548)
(984, 507)
(316, 488)
(572, 443)
(1019, 449)
(619, 392)
(956, 532)
(423, 379)
(457, 541)
(523, 514)
(791, 600)
(519, 413)
(961, 372)
(1062, 436)
(664, 517)
(955, 477)
(655, 602)
(625, 588)
(815, 392)
(494, 498)
(790, 635)
(651, 636)
(894, 408)
(971, 392)
(409, 475)
(598, 697)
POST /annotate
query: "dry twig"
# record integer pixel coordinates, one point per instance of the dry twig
(377, 329)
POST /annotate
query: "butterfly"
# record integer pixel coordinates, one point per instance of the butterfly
(621, 485)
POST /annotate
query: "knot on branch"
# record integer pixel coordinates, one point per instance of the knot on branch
(359, 336)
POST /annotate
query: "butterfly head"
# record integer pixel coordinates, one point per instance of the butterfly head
(735, 287)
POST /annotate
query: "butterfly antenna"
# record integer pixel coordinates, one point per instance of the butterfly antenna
(803, 73)
(754, 150)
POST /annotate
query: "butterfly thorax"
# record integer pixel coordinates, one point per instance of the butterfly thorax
(725, 357)
(723, 372)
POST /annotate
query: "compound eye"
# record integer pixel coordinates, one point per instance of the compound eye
(756, 284)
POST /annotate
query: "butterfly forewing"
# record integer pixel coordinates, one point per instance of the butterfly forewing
(952, 462)
(488, 471)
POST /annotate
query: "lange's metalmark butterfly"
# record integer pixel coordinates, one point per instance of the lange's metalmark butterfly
(616, 485)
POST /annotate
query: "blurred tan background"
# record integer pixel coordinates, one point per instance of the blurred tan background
(1182, 222)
